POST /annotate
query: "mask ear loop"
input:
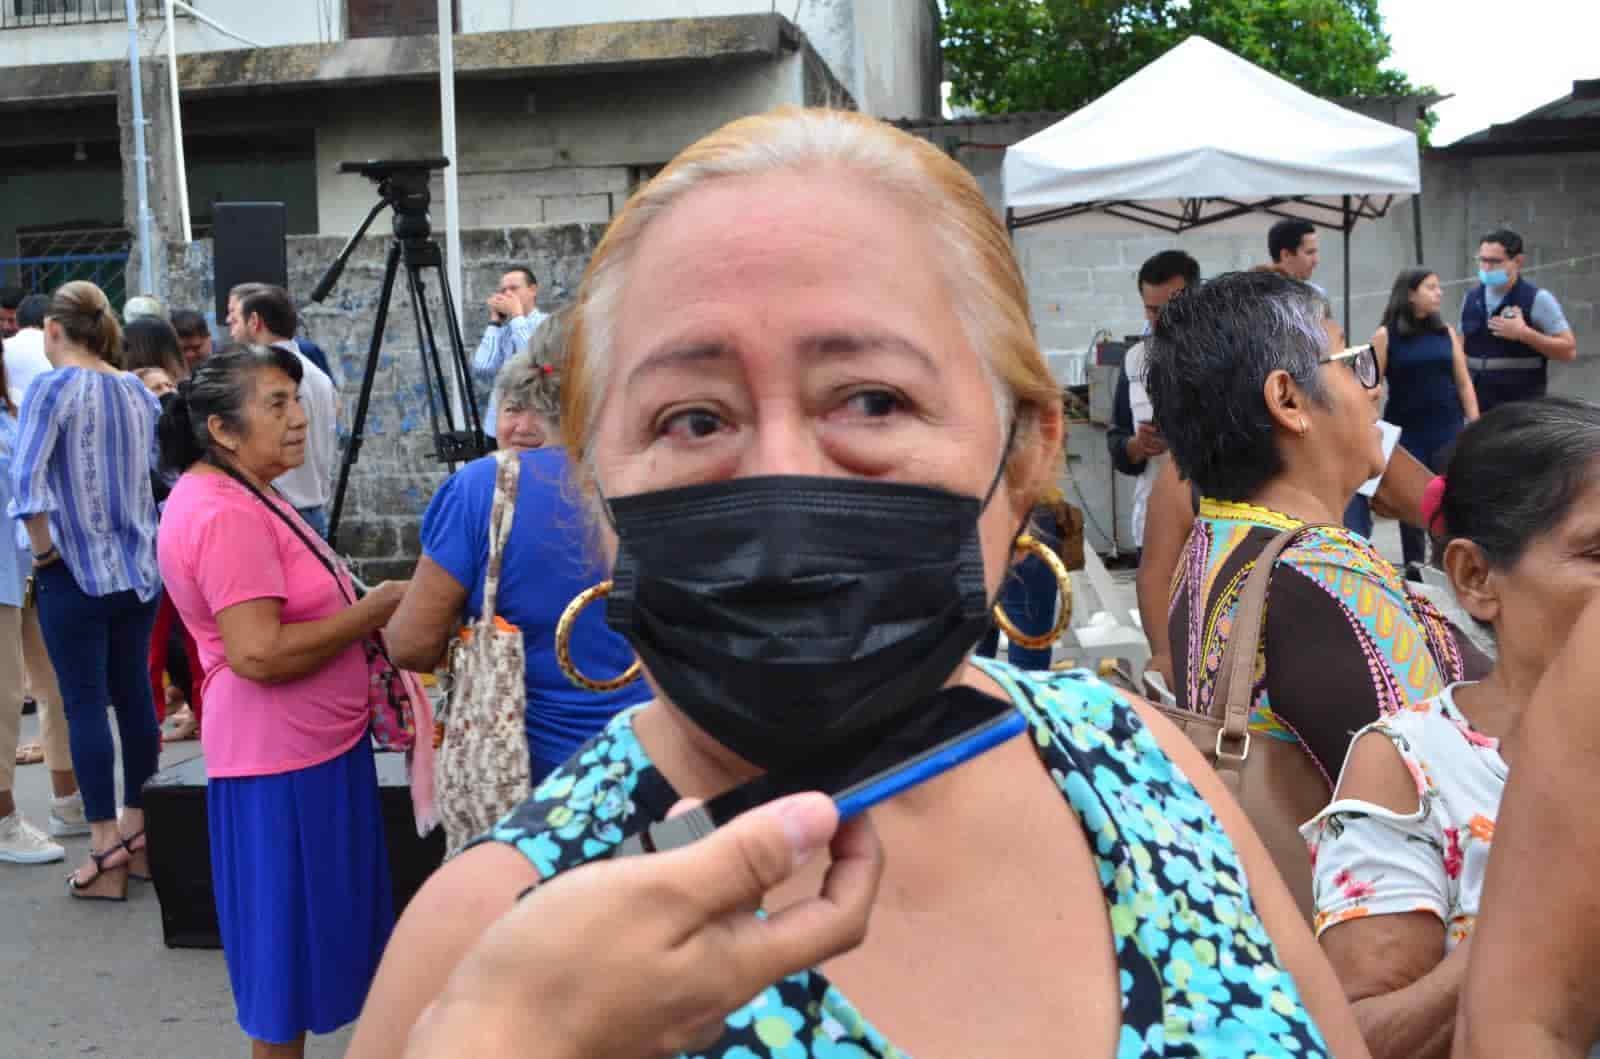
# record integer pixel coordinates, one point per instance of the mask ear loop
(994, 486)
(1000, 471)
(605, 504)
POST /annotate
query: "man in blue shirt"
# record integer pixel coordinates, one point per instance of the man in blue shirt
(1512, 329)
(513, 317)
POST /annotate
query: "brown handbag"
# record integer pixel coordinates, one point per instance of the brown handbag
(1276, 781)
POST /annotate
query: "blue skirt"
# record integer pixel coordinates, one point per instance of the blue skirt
(304, 901)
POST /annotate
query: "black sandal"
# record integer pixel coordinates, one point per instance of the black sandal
(144, 848)
(77, 889)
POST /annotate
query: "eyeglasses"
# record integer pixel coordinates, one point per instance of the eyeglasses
(1363, 361)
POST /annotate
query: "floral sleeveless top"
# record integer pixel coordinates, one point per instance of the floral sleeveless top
(1372, 861)
(1199, 974)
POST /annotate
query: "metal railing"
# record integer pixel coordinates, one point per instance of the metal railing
(22, 14)
(47, 259)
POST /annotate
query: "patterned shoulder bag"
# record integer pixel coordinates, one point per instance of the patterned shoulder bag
(483, 770)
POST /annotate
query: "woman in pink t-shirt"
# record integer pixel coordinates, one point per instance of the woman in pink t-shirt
(297, 848)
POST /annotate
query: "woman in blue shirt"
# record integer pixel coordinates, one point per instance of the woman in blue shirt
(548, 560)
(81, 484)
(1430, 390)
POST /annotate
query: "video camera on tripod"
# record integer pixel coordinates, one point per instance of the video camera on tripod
(403, 187)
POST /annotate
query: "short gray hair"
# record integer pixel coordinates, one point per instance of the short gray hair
(532, 378)
(1209, 357)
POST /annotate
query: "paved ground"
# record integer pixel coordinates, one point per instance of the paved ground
(95, 979)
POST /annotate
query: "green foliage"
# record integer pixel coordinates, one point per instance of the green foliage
(1425, 126)
(1020, 55)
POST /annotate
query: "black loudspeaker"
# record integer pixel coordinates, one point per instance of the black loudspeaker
(180, 848)
(249, 245)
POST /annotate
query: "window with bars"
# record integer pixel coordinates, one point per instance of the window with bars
(395, 18)
(47, 258)
(21, 14)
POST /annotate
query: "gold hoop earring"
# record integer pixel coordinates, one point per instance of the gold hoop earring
(1034, 546)
(569, 669)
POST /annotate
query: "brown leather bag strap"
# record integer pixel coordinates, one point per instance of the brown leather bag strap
(1237, 673)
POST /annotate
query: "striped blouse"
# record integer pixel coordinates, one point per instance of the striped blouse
(84, 455)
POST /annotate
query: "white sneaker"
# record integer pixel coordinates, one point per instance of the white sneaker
(66, 816)
(22, 843)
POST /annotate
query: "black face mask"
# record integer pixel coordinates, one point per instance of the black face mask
(791, 616)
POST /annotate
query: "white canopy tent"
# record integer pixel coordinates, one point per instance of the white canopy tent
(1202, 138)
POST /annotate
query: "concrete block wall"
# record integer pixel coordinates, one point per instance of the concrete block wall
(546, 150)
(1080, 284)
(546, 194)
(1082, 281)
(1553, 202)
(397, 473)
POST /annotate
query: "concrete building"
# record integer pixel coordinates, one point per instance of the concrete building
(562, 110)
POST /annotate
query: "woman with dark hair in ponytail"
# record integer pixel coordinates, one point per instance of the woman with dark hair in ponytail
(80, 481)
(298, 859)
(1400, 854)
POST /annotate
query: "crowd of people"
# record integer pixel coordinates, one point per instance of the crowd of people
(796, 434)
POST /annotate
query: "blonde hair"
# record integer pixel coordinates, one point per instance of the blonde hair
(986, 285)
(85, 315)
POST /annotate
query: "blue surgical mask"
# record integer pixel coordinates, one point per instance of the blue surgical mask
(1497, 278)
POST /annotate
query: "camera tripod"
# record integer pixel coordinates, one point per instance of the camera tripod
(403, 187)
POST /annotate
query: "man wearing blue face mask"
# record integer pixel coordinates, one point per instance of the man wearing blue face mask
(1512, 329)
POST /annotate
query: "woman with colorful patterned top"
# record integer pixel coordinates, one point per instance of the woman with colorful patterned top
(1400, 854)
(811, 416)
(1278, 429)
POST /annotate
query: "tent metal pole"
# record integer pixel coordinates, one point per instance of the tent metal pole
(1347, 226)
(1416, 222)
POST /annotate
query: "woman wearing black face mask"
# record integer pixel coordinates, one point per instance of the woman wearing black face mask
(810, 479)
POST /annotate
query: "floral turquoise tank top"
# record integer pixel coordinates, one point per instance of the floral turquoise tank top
(1199, 974)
